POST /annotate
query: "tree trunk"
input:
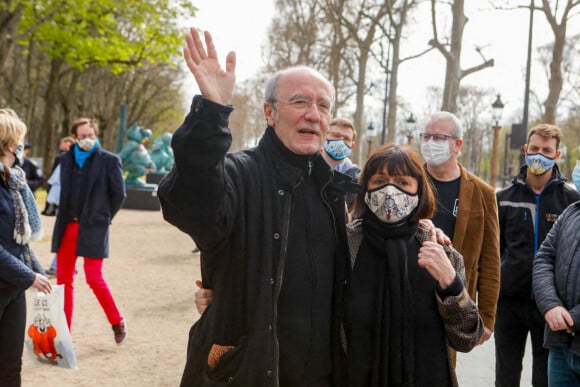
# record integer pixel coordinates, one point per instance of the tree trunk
(393, 84)
(9, 22)
(453, 68)
(51, 104)
(556, 81)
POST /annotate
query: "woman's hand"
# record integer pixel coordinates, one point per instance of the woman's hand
(203, 297)
(427, 224)
(42, 283)
(433, 258)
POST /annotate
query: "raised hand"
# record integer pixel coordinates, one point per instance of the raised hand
(214, 83)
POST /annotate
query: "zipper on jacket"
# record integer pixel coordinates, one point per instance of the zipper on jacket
(278, 289)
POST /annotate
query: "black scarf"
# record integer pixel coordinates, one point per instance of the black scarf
(393, 352)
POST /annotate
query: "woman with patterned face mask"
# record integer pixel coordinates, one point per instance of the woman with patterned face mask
(406, 302)
(19, 269)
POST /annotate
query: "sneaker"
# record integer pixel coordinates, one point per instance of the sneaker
(50, 272)
(120, 331)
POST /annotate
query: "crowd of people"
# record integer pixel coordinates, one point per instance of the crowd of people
(253, 332)
(351, 277)
(91, 191)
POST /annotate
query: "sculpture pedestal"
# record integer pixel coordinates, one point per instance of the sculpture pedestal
(154, 178)
(144, 198)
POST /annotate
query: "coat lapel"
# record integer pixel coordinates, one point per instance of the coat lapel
(94, 169)
(463, 214)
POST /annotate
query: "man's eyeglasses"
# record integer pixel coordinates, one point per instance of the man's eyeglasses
(303, 104)
(436, 137)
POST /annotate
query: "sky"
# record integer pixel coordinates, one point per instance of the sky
(503, 35)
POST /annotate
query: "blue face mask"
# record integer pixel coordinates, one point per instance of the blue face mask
(337, 149)
(538, 164)
(576, 176)
(19, 155)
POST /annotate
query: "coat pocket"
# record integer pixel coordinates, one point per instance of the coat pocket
(226, 361)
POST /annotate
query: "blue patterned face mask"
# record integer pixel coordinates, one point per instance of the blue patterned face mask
(337, 149)
(576, 176)
(538, 164)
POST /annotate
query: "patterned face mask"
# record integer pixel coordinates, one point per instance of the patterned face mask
(337, 149)
(87, 144)
(538, 164)
(390, 204)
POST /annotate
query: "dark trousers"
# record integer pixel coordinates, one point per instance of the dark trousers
(516, 317)
(12, 326)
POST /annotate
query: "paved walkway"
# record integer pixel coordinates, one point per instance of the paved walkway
(477, 368)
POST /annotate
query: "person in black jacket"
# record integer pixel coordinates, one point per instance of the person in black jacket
(270, 224)
(19, 269)
(556, 281)
(92, 192)
(527, 210)
(34, 175)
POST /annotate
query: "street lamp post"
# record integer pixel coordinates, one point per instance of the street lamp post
(497, 109)
(506, 173)
(410, 128)
(370, 135)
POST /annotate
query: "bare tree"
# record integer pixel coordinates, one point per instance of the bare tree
(477, 136)
(559, 27)
(452, 53)
(247, 120)
(390, 62)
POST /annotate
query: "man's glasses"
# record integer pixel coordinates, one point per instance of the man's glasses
(436, 137)
(303, 104)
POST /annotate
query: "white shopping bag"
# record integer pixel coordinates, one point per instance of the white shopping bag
(48, 339)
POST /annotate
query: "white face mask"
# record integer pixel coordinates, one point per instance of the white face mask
(87, 144)
(390, 204)
(435, 152)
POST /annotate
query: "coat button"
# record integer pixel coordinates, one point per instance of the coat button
(269, 374)
(280, 192)
(276, 235)
(231, 379)
(272, 281)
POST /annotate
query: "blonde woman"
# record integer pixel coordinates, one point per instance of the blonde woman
(19, 269)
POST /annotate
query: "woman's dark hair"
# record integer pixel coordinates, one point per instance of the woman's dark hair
(397, 160)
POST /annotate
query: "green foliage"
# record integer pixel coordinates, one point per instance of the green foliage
(118, 34)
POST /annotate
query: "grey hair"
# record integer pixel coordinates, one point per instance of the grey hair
(271, 88)
(449, 117)
(272, 85)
